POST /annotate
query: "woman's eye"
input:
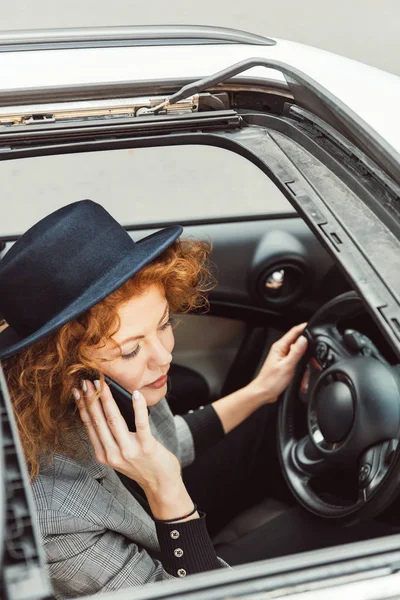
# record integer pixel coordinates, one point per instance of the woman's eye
(167, 324)
(136, 350)
(131, 354)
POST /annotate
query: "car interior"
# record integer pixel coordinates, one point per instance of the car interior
(272, 273)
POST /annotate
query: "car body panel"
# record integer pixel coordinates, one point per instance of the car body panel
(281, 577)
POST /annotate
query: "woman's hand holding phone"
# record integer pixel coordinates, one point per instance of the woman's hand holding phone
(137, 455)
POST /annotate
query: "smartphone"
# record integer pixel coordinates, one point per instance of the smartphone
(123, 399)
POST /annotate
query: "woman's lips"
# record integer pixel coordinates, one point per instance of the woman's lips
(158, 383)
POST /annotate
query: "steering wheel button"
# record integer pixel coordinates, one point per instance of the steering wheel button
(364, 473)
(330, 359)
(320, 351)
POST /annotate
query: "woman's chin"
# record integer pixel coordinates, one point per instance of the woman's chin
(154, 396)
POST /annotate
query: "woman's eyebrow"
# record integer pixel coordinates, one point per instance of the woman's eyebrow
(139, 337)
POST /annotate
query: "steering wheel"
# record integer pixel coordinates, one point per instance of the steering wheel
(339, 420)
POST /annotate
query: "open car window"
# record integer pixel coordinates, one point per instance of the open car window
(144, 185)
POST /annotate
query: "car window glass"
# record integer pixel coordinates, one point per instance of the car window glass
(146, 185)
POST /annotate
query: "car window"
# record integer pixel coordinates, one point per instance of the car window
(146, 185)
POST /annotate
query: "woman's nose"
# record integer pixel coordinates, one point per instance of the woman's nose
(159, 355)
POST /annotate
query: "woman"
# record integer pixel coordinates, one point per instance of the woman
(83, 301)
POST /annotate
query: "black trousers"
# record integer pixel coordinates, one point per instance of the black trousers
(240, 471)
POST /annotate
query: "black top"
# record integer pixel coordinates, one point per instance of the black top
(186, 547)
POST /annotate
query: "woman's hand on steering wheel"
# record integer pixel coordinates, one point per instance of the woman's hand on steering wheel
(279, 366)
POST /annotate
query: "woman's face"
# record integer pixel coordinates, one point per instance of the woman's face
(146, 340)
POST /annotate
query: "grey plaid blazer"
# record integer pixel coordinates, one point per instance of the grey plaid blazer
(96, 535)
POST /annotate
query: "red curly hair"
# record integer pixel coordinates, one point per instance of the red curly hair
(41, 378)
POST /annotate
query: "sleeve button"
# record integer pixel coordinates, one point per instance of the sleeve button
(181, 573)
(174, 534)
(178, 552)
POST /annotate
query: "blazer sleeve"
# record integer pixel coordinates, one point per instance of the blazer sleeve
(87, 558)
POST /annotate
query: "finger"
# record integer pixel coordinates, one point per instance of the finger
(114, 419)
(297, 349)
(85, 418)
(142, 423)
(284, 343)
(97, 418)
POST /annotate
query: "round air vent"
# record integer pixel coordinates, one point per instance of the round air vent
(283, 282)
(280, 272)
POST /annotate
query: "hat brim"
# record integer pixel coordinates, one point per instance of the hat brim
(143, 252)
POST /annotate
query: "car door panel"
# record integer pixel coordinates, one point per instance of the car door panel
(240, 249)
(228, 345)
(208, 345)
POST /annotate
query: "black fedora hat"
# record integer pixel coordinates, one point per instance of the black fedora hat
(64, 265)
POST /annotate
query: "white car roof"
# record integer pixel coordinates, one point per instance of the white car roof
(371, 93)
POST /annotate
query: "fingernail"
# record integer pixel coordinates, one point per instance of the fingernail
(136, 395)
(76, 394)
(302, 341)
(97, 385)
(84, 385)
